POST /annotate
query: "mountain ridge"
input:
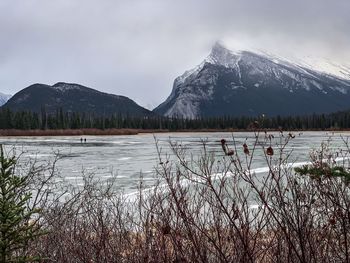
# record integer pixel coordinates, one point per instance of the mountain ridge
(72, 97)
(247, 83)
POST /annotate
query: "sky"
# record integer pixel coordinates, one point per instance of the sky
(137, 48)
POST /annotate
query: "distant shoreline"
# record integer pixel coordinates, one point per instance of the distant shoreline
(81, 132)
(68, 132)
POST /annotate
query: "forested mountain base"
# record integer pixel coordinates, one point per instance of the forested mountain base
(25, 120)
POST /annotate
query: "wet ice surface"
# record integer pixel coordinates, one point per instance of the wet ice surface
(125, 157)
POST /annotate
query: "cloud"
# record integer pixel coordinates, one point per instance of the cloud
(137, 47)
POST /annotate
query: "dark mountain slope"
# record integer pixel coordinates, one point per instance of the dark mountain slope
(73, 98)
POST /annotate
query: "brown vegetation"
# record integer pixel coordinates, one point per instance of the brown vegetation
(97, 132)
(211, 209)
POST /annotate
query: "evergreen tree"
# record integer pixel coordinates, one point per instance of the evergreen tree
(17, 222)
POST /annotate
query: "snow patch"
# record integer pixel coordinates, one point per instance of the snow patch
(65, 87)
(4, 98)
(340, 89)
(23, 98)
(317, 85)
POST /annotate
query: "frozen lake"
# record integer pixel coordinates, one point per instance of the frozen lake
(125, 157)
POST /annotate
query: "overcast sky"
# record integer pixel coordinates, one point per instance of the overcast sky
(137, 47)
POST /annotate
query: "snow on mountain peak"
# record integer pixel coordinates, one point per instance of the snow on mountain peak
(62, 86)
(266, 62)
(253, 82)
(326, 66)
(220, 55)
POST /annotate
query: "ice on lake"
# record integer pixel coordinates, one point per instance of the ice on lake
(126, 157)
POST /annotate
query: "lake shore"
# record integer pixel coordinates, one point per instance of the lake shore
(68, 132)
(81, 132)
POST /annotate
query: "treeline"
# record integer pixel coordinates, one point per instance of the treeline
(26, 120)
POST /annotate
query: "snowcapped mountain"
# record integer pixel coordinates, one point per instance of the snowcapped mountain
(326, 66)
(4, 98)
(73, 98)
(246, 83)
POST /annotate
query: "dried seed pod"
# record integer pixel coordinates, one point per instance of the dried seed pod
(269, 151)
(223, 145)
(166, 229)
(230, 153)
(245, 149)
(291, 135)
(339, 213)
(332, 221)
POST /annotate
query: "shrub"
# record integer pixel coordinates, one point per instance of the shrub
(212, 208)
